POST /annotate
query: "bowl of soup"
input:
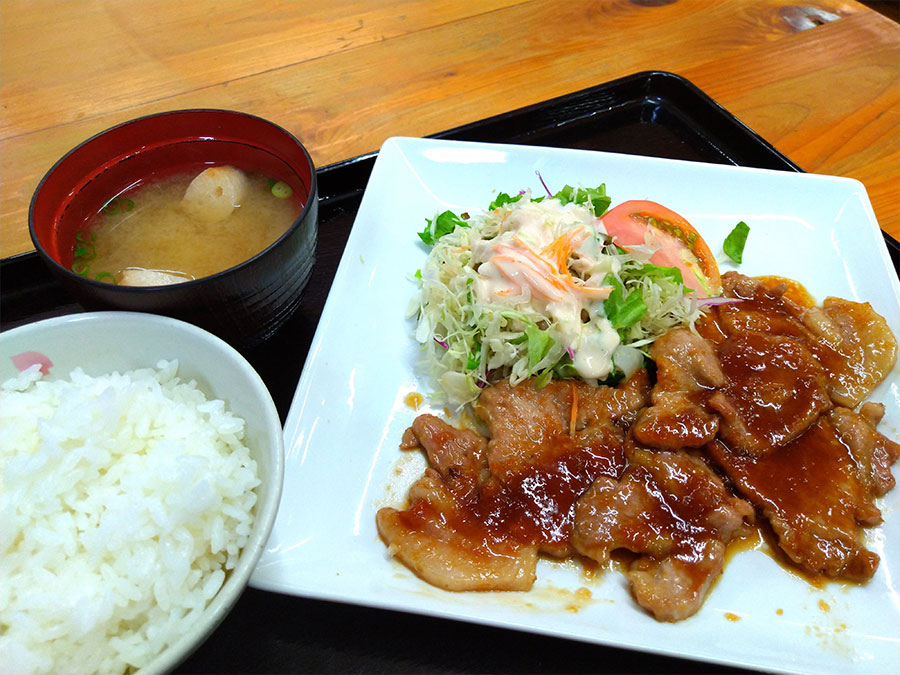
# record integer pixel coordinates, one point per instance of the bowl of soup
(208, 216)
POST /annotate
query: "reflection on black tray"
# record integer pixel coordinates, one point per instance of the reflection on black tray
(653, 113)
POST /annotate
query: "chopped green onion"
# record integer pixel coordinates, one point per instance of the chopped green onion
(81, 268)
(735, 242)
(85, 252)
(282, 190)
(103, 275)
(112, 206)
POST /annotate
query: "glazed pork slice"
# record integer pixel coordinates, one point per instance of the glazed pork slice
(865, 354)
(484, 509)
(873, 452)
(817, 491)
(670, 508)
(438, 539)
(612, 405)
(850, 340)
(774, 391)
(452, 452)
(547, 445)
(526, 421)
(759, 309)
(442, 536)
(687, 373)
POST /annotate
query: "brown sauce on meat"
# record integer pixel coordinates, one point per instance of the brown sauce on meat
(752, 539)
(689, 425)
(797, 477)
(535, 506)
(834, 359)
(679, 513)
(760, 537)
(621, 559)
(764, 312)
(811, 493)
(794, 289)
(773, 382)
(709, 328)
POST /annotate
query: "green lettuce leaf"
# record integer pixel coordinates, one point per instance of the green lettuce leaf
(622, 309)
(596, 197)
(735, 242)
(443, 224)
(539, 343)
(503, 198)
(656, 272)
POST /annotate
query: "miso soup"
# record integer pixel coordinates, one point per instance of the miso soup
(184, 227)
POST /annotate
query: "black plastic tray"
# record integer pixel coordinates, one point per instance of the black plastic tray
(650, 113)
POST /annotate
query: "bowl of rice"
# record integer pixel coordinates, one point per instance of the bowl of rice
(141, 466)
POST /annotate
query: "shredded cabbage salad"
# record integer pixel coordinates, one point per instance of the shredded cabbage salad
(534, 287)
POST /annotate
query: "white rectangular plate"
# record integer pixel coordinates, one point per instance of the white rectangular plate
(349, 412)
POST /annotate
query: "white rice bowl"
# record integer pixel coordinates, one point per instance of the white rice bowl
(135, 501)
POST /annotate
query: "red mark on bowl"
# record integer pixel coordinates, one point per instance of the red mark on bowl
(25, 360)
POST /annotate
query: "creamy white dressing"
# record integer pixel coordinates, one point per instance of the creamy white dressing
(529, 263)
(519, 290)
(593, 358)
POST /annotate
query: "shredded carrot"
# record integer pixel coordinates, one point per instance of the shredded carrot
(518, 270)
(501, 223)
(573, 415)
(536, 259)
(531, 264)
(539, 274)
(559, 251)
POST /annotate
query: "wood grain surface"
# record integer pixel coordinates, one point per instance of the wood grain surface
(819, 79)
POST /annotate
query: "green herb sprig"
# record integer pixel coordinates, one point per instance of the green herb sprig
(735, 242)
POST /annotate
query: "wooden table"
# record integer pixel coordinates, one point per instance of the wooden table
(343, 75)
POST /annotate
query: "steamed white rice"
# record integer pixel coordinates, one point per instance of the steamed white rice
(124, 500)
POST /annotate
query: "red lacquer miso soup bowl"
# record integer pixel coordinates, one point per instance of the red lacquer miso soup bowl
(208, 216)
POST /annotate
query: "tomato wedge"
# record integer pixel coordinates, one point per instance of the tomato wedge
(638, 222)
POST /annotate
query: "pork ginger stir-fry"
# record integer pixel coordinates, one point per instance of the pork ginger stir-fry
(754, 416)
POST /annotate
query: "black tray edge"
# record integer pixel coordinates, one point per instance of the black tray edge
(653, 85)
